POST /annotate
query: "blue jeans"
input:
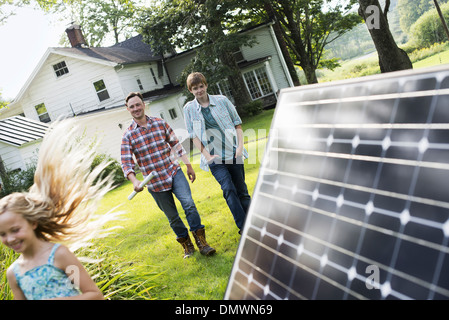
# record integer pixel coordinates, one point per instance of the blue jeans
(166, 203)
(231, 177)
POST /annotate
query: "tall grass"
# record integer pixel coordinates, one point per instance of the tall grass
(7, 257)
(117, 279)
(420, 57)
(143, 260)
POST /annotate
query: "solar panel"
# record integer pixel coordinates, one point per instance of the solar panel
(352, 200)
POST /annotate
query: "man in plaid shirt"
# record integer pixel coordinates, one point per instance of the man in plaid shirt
(156, 147)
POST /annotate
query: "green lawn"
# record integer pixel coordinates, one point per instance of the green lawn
(368, 65)
(437, 59)
(146, 239)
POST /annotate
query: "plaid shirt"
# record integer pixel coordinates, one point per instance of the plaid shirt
(154, 148)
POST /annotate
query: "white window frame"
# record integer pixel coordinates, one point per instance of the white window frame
(173, 113)
(65, 67)
(257, 82)
(101, 91)
(44, 116)
(139, 83)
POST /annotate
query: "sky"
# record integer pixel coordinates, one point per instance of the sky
(24, 39)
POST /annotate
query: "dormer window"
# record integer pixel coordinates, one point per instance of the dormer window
(60, 69)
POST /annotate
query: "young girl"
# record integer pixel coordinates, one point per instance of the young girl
(58, 207)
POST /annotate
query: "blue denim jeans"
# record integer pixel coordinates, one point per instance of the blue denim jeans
(231, 177)
(166, 203)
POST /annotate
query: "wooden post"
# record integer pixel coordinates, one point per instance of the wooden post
(442, 18)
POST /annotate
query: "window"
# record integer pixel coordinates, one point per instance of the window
(42, 112)
(172, 113)
(60, 69)
(101, 90)
(258, 83)
(154, 77)
(139, 83)
(224, 89)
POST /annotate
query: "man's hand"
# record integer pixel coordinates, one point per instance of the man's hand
(239, 152)
(136, 182)
(191, 173)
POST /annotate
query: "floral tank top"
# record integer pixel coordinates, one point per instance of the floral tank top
(45, 281)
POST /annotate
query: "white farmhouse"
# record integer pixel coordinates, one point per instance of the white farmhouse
(90, 84)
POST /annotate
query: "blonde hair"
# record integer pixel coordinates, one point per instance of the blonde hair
(65, 193)
(194, 79)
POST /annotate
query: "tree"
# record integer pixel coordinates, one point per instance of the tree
(268, 8)
(211, 28)
(3, 104)
(429, 29)
(391, 57)
(308, 26)
(102, 20)
(411, 10)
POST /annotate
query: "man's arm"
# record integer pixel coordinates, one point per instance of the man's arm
(190, 172)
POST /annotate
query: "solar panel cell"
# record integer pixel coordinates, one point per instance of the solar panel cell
(351, 200)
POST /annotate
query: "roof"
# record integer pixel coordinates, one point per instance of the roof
(133, 50)
(19, 130)
(130, 51)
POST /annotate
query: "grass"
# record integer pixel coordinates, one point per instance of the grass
(147, 240)
(421, 58)
(143, 260)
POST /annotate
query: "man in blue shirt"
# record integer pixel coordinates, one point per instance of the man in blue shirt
(215, 128)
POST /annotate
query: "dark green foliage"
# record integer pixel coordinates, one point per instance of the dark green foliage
(17, 180)
(113, 168)
(250, 109)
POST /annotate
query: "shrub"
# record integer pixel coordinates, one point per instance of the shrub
(18, 181)
(251, 109)
(428, 29)
(112, 168)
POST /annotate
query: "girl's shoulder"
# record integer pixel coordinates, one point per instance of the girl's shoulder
(63, 257)
(10, 272)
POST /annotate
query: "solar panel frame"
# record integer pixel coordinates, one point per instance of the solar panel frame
(350, 202)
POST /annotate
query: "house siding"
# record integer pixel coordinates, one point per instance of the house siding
(19, 157)
(109, 128)
(128, 78)
(264, 47)
(75, 92)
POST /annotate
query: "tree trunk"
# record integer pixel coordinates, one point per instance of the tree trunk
(280, 38)
(236, 82)
(442, 18)
(298, 46)
(391, 57)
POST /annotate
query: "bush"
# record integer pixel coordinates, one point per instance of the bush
(251, 109)
(428, 29)
(113, 168)
(18, 181)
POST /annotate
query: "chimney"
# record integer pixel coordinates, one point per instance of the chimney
(76, 37)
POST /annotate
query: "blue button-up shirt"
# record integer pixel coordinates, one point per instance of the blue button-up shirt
(225, 115)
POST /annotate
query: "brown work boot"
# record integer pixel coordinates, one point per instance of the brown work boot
(200, 239)
(187, 245)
